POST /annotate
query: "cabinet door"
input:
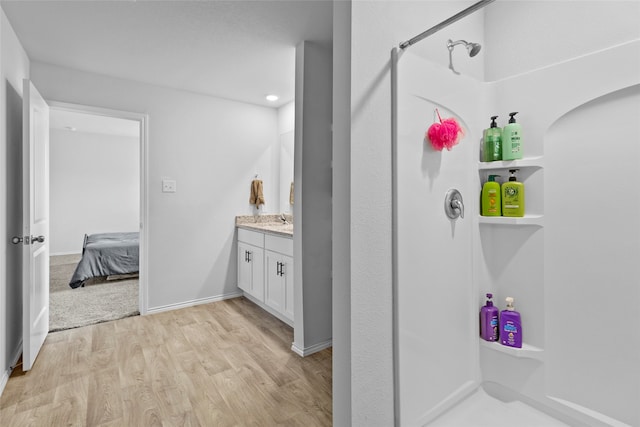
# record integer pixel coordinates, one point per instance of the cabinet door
(287, 278)
(250, 270)
(274, 286)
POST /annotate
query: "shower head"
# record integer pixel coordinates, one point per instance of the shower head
(472, 48)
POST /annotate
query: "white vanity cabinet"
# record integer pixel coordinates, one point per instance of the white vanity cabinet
(251, 268)
(278, 258)
(265, 271)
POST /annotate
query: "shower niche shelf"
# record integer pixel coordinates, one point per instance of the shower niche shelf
(536, 220)
(527, 351)
(532, 175)
(527, 162)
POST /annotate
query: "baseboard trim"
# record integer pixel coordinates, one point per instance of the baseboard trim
(306, 351)
(66, 253)
(193, 303)
(13, 361)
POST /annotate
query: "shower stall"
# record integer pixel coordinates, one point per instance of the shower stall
(571, 263)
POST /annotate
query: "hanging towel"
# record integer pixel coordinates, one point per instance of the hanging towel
(291, 194)
(256, 198)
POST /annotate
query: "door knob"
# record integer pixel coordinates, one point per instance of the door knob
(37, 239)
(17, 240)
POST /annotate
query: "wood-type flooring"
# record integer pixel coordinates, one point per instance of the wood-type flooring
(227, 363)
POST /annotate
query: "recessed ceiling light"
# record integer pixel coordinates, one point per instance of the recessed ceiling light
(70, 128)
(272, 98)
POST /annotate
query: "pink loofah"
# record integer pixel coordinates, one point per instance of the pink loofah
(445, 134)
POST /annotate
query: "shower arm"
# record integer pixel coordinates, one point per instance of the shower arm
(452, 44)
(446, 23)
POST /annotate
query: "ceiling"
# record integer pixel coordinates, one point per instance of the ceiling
(239, 50)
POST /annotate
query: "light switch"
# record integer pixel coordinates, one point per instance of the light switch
(168, 186)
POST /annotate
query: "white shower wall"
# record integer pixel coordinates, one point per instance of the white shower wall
(553, 268)
(568, 264)
(437, 351)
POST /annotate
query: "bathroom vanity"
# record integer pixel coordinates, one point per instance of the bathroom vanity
(265, 263)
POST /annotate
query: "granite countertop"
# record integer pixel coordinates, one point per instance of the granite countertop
(271, 224)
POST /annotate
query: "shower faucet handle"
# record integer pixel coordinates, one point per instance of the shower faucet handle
(457, 204)
(453, 204)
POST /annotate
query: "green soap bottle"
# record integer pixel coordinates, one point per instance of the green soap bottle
(513, 196)
(491, 205)
(512, 139)
(492, 137)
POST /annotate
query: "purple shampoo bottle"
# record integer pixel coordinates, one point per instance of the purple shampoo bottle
(489, 321)
(510, 326)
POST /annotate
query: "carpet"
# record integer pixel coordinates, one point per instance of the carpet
(100, 300)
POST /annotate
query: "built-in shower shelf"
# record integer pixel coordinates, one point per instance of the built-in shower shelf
(528, 162)
(507, 220)
(527, 351)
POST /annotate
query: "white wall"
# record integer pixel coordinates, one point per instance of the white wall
(312, 207)
(212, 148)
(14, 65)
(287, 118)
(525, 35)
(341, 214)
(94, 187)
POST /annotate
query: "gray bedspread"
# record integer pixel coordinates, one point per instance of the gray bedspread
(107, 254)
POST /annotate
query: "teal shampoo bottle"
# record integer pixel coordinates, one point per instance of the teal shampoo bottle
(492, 147)
(512, 196)
(512, 139)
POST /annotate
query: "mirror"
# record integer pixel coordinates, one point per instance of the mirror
(286, 171)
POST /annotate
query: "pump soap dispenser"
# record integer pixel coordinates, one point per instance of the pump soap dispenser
(513, 196)
(510, 326)
(512, 139)
(489, 320)
(492, 148)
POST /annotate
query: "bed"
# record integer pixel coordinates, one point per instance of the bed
(107, 254)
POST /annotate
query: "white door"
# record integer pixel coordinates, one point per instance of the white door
(35, 200)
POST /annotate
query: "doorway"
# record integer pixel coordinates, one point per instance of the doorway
(97, 187)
